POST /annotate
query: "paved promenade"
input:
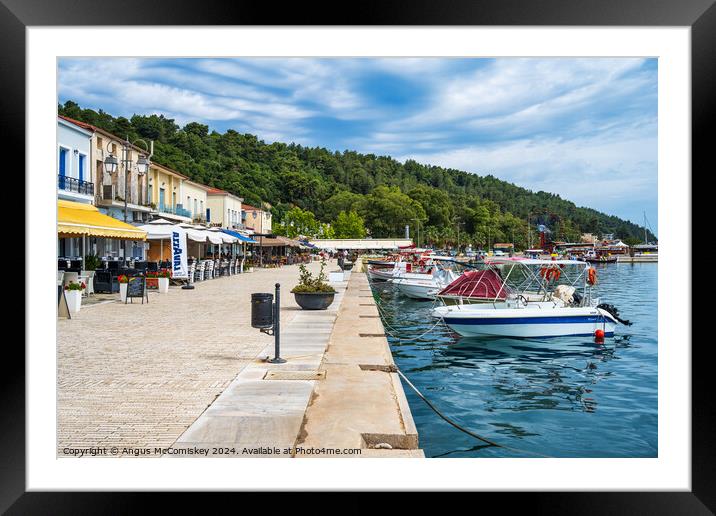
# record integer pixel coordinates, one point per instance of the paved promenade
(138, 375)
(336, 396)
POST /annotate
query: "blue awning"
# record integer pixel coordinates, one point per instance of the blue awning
(239, 236)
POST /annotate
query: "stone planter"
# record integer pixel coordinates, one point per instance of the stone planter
(123, 292)
(314, 300)
(74, 300)
(163, 285)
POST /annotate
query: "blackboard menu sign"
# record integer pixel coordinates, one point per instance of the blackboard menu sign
(137, 287)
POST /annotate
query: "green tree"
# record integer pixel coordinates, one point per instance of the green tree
(349, 225)
(387, 211)
(298, 222)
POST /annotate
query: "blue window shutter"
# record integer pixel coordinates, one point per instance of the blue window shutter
(82, 167)
(63, 159)
(208, 215)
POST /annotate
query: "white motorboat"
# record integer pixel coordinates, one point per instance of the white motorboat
(544, 308)
(416, 287)
(415, 262)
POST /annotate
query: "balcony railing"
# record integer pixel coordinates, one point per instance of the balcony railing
(182, 212)
(71, 184)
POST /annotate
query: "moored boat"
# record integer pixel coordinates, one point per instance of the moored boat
(540, 307)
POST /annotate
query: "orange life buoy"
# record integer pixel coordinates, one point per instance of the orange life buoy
(592, 276)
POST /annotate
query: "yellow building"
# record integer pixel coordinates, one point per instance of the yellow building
(166, 193)
(224, 209)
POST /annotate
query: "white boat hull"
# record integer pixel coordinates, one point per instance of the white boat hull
(475, 321)
(415, 291)
(380, 274)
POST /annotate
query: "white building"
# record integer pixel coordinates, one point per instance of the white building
(74, 178)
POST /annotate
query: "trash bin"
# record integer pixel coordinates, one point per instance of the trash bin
(261, 310)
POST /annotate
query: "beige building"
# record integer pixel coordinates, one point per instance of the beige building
(256, 219)
(223, 209)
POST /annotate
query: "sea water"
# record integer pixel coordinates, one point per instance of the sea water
(556, 397)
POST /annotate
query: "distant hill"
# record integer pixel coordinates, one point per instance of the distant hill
(387, 194)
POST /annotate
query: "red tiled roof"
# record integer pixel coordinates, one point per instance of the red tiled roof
(94, 128)
(217, 190)
(248, 207)
(83, 125)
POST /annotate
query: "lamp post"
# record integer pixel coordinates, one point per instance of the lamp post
(417, 223)
(458, 223)
(111, 165)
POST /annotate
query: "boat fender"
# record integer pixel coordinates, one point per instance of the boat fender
(614, 313)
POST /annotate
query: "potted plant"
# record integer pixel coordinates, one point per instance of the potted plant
(73, 294)
(123, 279)
(163, 281)
(152, 280)
(313, 293)
(92, 262)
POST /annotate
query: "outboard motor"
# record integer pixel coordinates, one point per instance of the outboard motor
(614, 313)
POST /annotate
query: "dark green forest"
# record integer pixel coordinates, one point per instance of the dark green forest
(345, 194)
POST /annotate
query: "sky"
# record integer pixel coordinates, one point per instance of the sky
(585, 129)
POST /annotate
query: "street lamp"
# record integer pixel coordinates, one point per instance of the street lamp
(417, 221)
(111, 165)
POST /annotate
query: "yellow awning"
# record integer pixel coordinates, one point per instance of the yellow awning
(76, 219)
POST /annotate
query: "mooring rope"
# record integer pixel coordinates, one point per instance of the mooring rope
(461, 428)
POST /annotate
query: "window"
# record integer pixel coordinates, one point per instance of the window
(100, 142)
(188, 204)
(196, 207)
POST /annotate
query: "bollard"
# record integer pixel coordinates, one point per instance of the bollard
(277, 327)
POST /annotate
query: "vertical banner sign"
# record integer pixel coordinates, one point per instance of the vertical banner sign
(179, 266)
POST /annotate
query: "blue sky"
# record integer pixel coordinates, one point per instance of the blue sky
(585, 129)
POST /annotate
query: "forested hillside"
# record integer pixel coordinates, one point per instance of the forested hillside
(310, 188)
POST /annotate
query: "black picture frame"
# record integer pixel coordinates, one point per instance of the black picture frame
(700, 15)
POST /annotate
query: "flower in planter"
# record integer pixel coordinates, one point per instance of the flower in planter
(309, 284)
(75, 286)
(123, 278)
